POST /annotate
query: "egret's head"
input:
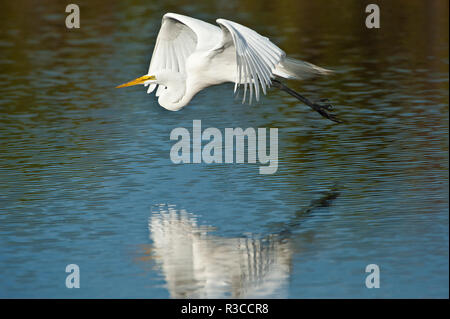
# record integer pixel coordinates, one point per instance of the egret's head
(141, 80)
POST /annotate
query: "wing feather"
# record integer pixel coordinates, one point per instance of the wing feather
(256, 57)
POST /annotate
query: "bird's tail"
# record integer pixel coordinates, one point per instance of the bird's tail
(297, 69)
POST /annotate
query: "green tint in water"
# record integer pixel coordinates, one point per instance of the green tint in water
(82, 165)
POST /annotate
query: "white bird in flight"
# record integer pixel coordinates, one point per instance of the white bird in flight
(191, 55)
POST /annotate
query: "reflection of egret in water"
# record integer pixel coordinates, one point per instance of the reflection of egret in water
(197, 264)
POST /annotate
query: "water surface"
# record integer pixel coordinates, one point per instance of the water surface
(86, 177)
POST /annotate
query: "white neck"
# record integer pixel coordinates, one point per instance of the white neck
(178, 91)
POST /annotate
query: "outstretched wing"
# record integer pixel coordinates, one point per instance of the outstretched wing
(256, 57)
(178, 37)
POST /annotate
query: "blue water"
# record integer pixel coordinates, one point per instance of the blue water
(86, 177)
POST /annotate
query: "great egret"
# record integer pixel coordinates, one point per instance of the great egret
(191, 55)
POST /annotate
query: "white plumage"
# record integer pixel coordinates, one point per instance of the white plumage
(191, 55)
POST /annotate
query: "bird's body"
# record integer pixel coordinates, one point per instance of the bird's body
(191, 55)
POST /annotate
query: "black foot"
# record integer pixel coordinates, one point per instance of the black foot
(322, 109)
(326, 106)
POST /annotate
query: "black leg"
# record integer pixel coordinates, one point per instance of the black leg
(320, 108)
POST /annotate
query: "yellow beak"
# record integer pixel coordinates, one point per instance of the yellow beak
(137, 81)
